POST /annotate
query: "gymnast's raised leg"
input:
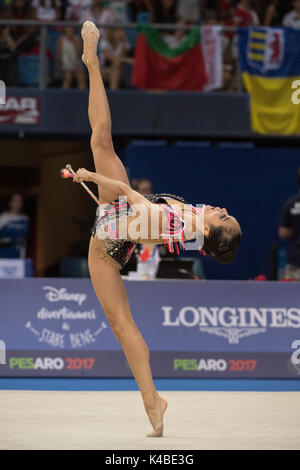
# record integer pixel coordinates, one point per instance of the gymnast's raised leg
(106, 279)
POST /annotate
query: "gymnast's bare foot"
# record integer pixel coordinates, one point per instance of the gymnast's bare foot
(156, 418)
(164, 405)
(90, 35)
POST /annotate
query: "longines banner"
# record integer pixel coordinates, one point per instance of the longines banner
(56, 327)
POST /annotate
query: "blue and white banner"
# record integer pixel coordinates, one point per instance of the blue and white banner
(56, 327)
(12, 268)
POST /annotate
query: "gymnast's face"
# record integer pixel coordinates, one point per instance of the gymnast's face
(215, 216)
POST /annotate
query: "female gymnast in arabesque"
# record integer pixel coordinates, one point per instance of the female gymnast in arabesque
(108, 254)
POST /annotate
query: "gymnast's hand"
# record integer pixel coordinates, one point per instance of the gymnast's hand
(82, 175)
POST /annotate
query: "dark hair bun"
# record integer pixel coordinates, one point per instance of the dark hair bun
(227, 257)
(222, 244)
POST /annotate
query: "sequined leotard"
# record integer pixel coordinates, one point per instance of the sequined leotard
(120, 250)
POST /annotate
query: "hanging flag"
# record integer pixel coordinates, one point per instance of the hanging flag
(159, 67)
(213, 56)
(270, 63)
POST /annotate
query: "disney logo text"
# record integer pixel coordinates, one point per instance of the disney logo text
(56, 295)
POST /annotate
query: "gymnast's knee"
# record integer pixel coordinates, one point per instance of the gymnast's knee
(101, 137)
(121, 327)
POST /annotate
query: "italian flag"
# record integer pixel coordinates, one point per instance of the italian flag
(158, 67)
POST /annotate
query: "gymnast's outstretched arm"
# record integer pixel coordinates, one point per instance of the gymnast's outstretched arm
(109, 188)
(149, 214)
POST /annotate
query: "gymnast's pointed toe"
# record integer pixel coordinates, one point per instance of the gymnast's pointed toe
(90, 27)
(158, 430)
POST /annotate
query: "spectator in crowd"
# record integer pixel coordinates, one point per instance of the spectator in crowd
(210, 5)
(189, 10)
(244, 14)
(16, 40)
(98, 13)
(290, 228)
(119, 10)
(137, 6)
(19, 38)
(174, 39)
(76, 8)
(163, 11)
(2, 8)
(284, 7)
(47, 10)
(142, 186)
(115, 48)
(227, 9)
(8, 65)
(272, 15)
(68, 58)
(292, 19)
(14, 228)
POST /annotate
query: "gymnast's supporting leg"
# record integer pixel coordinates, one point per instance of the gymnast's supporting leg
(106, 280)
(112, 295)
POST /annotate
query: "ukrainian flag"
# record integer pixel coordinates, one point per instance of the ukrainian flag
(270, 63)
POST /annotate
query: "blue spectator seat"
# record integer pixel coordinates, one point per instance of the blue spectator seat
(193, 144)
(148, 143)
(52, 38)
(236, 145)
(132, 34)
(143, 17)
(28, 70)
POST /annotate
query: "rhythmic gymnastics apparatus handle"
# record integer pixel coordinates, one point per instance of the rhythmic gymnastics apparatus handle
(70, 169)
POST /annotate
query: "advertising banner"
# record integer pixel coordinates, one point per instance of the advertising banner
(12, 268)
(20, 110)
(56, 327)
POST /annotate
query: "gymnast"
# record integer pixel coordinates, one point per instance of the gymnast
(168, 219)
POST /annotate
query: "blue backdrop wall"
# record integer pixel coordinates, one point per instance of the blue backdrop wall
(252, 184)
